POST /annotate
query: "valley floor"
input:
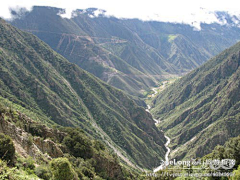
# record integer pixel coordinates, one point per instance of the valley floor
(150, 98)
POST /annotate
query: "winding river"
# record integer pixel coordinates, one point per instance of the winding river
(163, 165)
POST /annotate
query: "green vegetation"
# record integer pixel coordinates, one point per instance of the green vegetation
(171, 37)
(73, 40)
(78, 144)
(14, 173)
(41, 83)
(7, 150)
(62, 169)
(236, 174)
(201, 110)
(230, 150)
(86, 158)
(129, 54)
(43, 172)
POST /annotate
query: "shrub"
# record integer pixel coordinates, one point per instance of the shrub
(62, 170)
(236, 173)
(28, 165)
(78, 144)
(30, 140)
(5, 171)
(79, 173)
(7, 150)
(99, 145)
(43, 172)
(87, 172)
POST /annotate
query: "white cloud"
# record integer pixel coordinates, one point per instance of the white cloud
(181, 11)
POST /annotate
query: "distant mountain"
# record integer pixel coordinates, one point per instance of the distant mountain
(48, 88)
(227, 19)
(202, 109)
(129, 54)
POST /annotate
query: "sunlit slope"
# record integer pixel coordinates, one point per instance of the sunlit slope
(202, 109)
(37, 78)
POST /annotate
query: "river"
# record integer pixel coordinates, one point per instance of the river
(162, 166)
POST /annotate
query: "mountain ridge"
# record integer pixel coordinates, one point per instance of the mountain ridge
(106, 46)
(58, 92)
(201, 109)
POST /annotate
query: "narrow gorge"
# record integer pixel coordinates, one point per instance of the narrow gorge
(163, 164)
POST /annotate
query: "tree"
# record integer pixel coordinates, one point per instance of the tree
(62, 169)
(78, 144)
(7, 149)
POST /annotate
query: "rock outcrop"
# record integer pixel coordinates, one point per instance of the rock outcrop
(26, 142)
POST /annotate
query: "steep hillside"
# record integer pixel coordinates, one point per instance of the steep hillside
(77, 41)
(129, 54)
(229, 152)
(56, 91)
(202, 109)
(31, 147)
(181, 44)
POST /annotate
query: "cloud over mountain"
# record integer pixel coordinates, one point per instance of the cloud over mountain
(184, 11)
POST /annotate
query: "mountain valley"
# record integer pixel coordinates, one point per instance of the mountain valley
(201, 110)
(100, 97)
(129, 54)
(41, 81)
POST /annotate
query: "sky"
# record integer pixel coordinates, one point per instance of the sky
(178, 11)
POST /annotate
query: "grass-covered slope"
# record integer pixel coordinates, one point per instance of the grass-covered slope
(202, 109)
(32, 151)
(130, 54)
(81, 40)
(38, 79)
